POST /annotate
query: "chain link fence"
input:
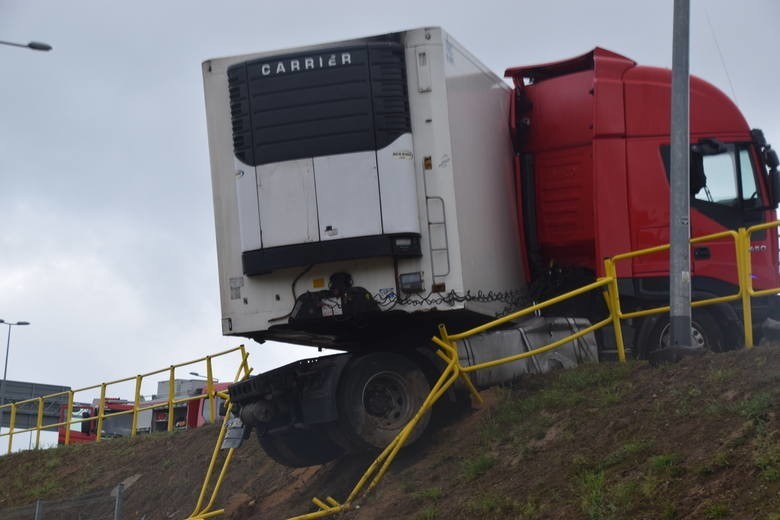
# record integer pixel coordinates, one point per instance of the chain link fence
(103, 505)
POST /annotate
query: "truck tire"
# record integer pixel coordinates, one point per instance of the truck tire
(300, 448)
(378, 395)
(655, 334)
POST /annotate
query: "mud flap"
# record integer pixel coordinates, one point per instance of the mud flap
(237, 432)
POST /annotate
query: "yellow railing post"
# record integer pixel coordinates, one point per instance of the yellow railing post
(101, 413)
(11, 424)
(614, 307)
(39, 424)
(210, 390)
(136, 403)
(200, 511)
(745, 268)
(68, 416)
(171, 397)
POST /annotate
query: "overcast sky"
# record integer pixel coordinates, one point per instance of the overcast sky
(106, 230)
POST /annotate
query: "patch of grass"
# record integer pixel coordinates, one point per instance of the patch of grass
(557, 398)
(718, 461)
(756, 408)
(721, 375)
(408, 486)
(626, 452)
(612, 394)
(531, 509)
(626, 494)
(660, 472)
(650, 485)
(766, 456)
(432, 493)
(593, 496)
(517, 417)
(718, 408)
(581, 463)
(43, 488)
(668, 464)
(593, 376)
(716, 511)
(492, 505)
(476, 467)
(511, 412)
(427, 513)
(669, 512)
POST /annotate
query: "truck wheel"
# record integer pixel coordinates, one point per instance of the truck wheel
(706, 333)
(300, 448)
(378, 395)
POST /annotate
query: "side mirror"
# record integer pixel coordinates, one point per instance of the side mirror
(758, 137)
(774, 185)
(772, 162)
(770, 158)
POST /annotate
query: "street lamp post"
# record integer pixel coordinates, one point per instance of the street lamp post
(36, 46)
(5, 369)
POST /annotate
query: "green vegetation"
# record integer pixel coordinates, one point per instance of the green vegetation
(716, 511)
(593, 496)
(627, 453)
(520, 417)
(721, 375)
(432, 493)
(478, 466)
(756, 408)
(492, 505)
(721, 460)
(766, 455)
(427, 513)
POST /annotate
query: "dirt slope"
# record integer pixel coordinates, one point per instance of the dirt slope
(699, 439)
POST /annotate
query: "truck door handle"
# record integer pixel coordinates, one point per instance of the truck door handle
(701, 253)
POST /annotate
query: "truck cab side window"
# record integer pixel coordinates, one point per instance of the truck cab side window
(749, 187)
(723, 183)
(730, 179)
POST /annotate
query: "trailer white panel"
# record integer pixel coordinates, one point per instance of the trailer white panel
(445, 184)
(348, 195)
(287, 203)
(397, 186)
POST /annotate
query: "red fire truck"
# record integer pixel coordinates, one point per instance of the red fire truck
(190, 411)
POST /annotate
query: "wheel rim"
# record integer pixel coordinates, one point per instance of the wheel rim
(697, 336)
(385, 398)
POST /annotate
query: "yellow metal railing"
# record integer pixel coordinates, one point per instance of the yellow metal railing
(610, 270)
(747, 279)
(135, 407)
(453, 370)
(202, 512)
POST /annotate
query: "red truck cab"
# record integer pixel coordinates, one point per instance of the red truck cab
(86, 430)
(592, 141)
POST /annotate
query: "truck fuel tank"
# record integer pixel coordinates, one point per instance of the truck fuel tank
(525, 337)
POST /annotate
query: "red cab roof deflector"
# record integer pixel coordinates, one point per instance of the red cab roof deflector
(559, 68)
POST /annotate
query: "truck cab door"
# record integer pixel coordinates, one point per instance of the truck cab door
(726, 193)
